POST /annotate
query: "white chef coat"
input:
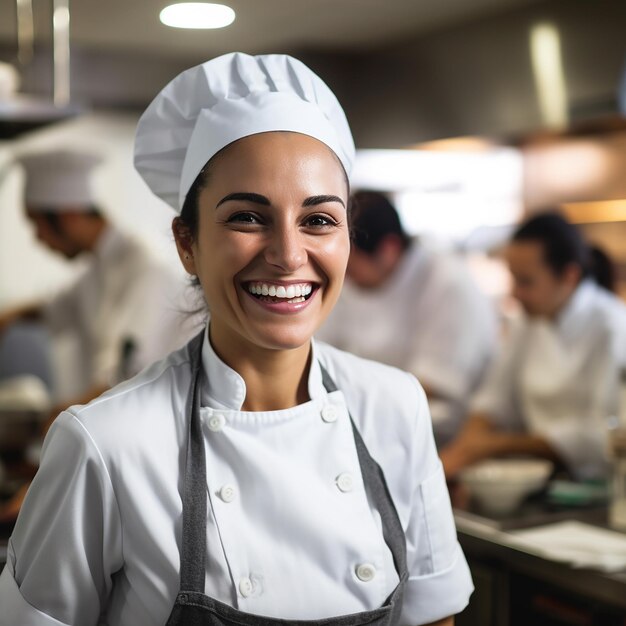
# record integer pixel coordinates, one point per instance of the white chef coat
(289, 521)
(428, 318)
(126, 293)
(559, 379)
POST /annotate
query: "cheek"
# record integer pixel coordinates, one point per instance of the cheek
(337, 253)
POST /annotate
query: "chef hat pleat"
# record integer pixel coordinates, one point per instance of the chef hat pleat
(232, 96)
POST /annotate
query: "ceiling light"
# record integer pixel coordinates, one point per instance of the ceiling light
(547, 64)
(197, 15)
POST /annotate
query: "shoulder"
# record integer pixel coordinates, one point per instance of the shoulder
(602, 309)
(383, 400)
(364, 376)
(143, 403)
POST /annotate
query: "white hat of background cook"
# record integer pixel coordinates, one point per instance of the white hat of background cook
(58, 179)
(232, 96)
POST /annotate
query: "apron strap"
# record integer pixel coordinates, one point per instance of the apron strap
(375, 482)
(193, 551)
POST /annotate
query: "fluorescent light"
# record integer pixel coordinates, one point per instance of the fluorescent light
(545, 48)
(197, 15)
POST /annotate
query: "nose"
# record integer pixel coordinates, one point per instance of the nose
(286, 248)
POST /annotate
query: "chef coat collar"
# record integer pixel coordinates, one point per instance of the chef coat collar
(226, 389)
(569, 319)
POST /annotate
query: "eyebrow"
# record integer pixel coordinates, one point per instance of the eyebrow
(259, 199)
(315, 200)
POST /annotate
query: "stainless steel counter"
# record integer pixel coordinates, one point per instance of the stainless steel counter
(515, 586)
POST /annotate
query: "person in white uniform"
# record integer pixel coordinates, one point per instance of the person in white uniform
(123, 312)
(554, 385)
(234, 482)
(412, 305)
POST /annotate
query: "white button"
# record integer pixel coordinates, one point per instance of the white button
(245, 587)
(345, 482)
(365, 572)
(228, 493)
(216, 423)
(329, 413)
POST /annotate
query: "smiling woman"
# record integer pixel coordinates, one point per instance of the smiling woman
(234, 483)
(288, 230)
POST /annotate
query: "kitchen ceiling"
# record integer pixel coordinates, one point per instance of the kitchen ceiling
(261, 25)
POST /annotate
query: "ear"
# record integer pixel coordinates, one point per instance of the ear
(184, 245)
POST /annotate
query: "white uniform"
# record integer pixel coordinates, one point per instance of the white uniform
(559, 380)
(289, 520)
(125, 295)
(429, 318)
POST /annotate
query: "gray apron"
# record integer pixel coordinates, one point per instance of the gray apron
(193, 607)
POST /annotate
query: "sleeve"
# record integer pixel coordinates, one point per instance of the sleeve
(163, 325)
(61, 313)
(582, 441)
(454, 345)
(148, 322)
(439, 583)
(496, 397)
(67, 540)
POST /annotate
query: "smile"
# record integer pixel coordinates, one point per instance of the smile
(293, 293)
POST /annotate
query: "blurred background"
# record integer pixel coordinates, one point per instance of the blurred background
(470, 112)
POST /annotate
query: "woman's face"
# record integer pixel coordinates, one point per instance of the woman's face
(272, 242)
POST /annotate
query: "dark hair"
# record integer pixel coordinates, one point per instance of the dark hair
(562, 243)
(189, 212)
(601, 268)
(373, 218)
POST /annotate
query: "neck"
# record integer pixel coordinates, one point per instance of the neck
(275, 379)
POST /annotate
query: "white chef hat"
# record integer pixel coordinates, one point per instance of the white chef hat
(58, 179)
(232, 96)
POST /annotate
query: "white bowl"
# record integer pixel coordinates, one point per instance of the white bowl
(499, 486)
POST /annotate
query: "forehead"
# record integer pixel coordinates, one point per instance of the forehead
(526, 254)
(273, 151)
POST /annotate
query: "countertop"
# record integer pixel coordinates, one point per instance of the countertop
(493, 539)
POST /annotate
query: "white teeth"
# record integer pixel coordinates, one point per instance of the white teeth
(293, 293)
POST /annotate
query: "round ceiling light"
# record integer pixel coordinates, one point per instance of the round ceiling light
(197, 15)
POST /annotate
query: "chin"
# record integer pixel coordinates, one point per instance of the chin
(284, 339)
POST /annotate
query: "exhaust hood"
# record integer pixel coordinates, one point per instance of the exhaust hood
(21, 113)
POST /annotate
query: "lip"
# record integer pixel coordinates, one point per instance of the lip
(282, 308)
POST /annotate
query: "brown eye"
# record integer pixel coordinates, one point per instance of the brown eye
(319, 221)
(244, 218)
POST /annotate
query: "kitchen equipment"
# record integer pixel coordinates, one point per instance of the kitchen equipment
(24, 404)
(22, 113)
(617, 454)
(498, 486)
